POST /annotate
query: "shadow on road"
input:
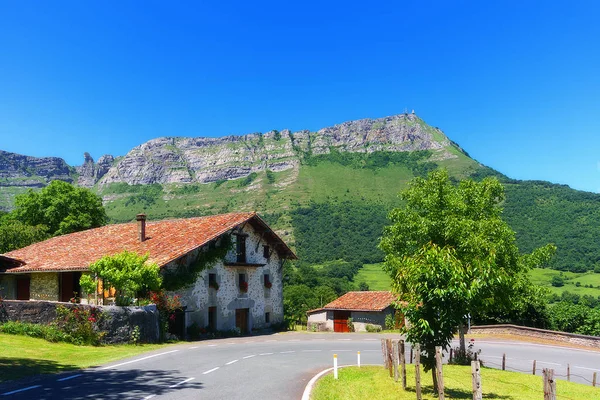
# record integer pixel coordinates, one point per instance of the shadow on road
(15, 368)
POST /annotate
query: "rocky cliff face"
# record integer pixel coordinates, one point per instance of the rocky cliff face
(90, 172)
(186, 160)
(24, 171)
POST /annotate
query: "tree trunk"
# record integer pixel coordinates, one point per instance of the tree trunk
(461, 335)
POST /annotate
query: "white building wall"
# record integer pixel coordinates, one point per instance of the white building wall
(258, 299)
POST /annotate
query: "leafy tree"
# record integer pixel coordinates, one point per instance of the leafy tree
(127, 272)
(557, 281)
(449, 253)
(15, 235)
(62, 207)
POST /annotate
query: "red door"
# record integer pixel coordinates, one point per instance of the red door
(23, 288)
(340, 321)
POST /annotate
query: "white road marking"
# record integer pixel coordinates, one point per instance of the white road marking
(265, 354)
(589, 369)
(344, 339)
(212, 345)
(547, 362)
(181, 383)
(314, 340)
(68, 377)
(310, 351)
(139, 359)
(231, 362)
(286, 352)
(341, 350)
(21, 390)
(270, 340)
(192, 348)
(253, 355)
(294, 340)
(149, 397)
(210, 370)
(248, 341)
(371, 339)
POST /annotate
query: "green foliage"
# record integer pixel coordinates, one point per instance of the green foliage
(542, 212)
(558, 281)
(449, 253)
(276, 134)
(243, 182)
(373, 328)
(350, 323)
(363, 286)
(270, 176)
(416, 161)
(390, 322)
(345, 230)
(185, 275)
(62, 207)
(145, 195)
(128, 273)
(15, 235)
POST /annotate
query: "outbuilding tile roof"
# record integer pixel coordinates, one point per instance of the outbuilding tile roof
(362, 301)
(165, 241)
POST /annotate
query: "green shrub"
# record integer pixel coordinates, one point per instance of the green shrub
(79, 325)
(390, 322)
(557, 281)
(373, 328)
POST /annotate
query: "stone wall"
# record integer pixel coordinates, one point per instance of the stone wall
(572, 338)
(44, 286)
(118, 322)
(258, 299)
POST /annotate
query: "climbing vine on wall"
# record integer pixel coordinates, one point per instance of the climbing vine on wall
(185, 275)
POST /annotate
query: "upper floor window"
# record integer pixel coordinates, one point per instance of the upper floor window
(212, 281)
(266, 252)
(240, 248)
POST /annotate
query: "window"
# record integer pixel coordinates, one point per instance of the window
(240, 245)
(266, 252)
(243, 283)
(267, 281)
(267, 318)
(212, 281)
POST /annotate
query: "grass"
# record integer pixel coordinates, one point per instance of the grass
(543, 277)
(374, 276)
(375, 383)
(22, 356)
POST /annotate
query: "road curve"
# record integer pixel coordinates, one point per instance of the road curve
(264, 367)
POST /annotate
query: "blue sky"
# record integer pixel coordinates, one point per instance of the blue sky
(516, 84)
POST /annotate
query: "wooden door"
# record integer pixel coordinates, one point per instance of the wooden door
(69, 285)
(241, 319)
(23, 288)
(340, 321)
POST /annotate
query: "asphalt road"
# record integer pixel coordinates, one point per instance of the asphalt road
(263, 367)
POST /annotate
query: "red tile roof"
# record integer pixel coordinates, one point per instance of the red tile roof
(362, 301)
(166, 241)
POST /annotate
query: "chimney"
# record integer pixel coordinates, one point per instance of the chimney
(141, 219)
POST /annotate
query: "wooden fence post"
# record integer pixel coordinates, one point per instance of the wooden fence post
(594, 379)
(418, 371)
(390, 356)
(401, 351)
(396, 360)
(439, 371)
(411, 354)
(503, 361)
(450, 356)
(549, 384)
(383, 351)
(534, 366)
(569, 372)
(477, 392)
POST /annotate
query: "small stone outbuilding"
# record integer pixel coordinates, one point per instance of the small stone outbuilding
(365, 308)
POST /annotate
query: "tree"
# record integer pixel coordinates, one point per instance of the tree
(129, 273)
(557, 281)
(449, 253)
(60, 206)
(15, 235)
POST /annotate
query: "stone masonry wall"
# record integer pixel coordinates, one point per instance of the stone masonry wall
(118, 322)
(44, 286)
(258, 299)
(583, 340)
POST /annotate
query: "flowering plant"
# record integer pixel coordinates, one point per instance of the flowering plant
(244, 286)
(213, 285)
(268, 284)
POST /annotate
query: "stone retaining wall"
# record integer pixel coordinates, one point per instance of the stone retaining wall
(582, 340)
(118, 322)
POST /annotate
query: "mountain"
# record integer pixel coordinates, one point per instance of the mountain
(326, 192)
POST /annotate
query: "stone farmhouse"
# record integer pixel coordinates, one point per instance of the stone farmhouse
(365, 308)
(243, 290)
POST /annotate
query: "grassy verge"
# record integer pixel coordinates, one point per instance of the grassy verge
(375, 383)
(22, 356)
